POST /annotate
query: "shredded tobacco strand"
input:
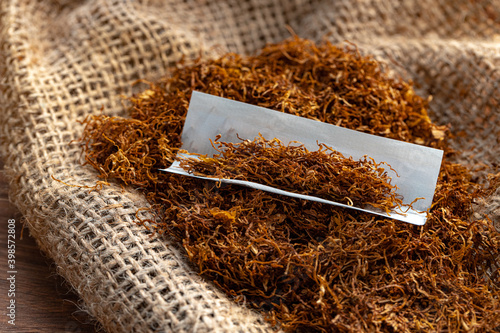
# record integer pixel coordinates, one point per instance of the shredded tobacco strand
(308, 266)
(324, 173)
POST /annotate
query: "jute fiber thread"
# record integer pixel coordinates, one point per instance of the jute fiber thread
(64, 60)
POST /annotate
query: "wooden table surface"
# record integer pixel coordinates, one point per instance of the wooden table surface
(43, 302)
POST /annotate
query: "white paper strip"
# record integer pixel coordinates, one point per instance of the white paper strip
(417, 166)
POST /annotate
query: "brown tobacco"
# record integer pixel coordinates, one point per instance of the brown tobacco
(324, 173)
(305, 265)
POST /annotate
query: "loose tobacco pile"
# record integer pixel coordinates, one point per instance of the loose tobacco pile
(324, 173)
(309, 266)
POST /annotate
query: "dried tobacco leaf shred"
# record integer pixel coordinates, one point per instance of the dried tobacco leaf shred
(309, 266)
(324, 173)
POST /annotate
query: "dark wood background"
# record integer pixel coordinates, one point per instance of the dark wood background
(44, 303)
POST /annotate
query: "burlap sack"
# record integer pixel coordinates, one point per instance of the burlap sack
(62, 60)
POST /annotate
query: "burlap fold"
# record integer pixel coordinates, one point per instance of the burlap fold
(64, 60)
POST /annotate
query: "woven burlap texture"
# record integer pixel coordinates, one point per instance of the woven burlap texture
(64, 60)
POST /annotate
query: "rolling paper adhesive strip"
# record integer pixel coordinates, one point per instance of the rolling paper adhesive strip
(417, 166)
